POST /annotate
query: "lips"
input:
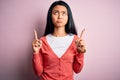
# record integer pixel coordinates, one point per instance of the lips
(59, 21)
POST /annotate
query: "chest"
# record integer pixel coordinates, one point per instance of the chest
(59, 45)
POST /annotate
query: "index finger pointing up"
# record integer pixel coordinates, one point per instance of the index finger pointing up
(35, 34)
(82, 33)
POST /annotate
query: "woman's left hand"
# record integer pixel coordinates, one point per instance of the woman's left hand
(80, 44)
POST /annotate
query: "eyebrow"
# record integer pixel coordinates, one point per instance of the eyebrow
(55, 10)
(60, 11)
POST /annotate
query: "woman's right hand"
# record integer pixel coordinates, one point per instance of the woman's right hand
(36, 44)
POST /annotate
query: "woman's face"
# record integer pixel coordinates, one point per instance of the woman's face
(59, 16)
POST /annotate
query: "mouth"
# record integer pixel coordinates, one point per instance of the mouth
(59, 21)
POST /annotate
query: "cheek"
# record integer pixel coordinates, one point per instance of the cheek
(66, 20)
(54, 19)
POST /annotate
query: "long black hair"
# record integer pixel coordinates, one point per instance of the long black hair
(69, 27)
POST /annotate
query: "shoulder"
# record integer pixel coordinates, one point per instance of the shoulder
(42, 38)
(76, 36)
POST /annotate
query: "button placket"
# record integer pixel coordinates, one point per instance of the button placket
(60, 68)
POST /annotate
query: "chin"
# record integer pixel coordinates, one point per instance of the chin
(60, 25)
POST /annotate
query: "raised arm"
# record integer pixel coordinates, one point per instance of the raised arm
(37, 57)
(79, 57)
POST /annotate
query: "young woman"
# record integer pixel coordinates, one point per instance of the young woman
(59, 51)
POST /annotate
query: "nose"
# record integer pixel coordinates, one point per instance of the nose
(59, 16)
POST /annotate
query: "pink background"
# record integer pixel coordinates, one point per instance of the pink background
(100, 18)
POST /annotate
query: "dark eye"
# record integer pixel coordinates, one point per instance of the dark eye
(55, 12)
(64, 13)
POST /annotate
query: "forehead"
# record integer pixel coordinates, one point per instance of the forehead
(60, 8)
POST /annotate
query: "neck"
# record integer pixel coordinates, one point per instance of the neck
(59, 32)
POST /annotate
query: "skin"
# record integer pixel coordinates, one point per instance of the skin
(59, 19)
